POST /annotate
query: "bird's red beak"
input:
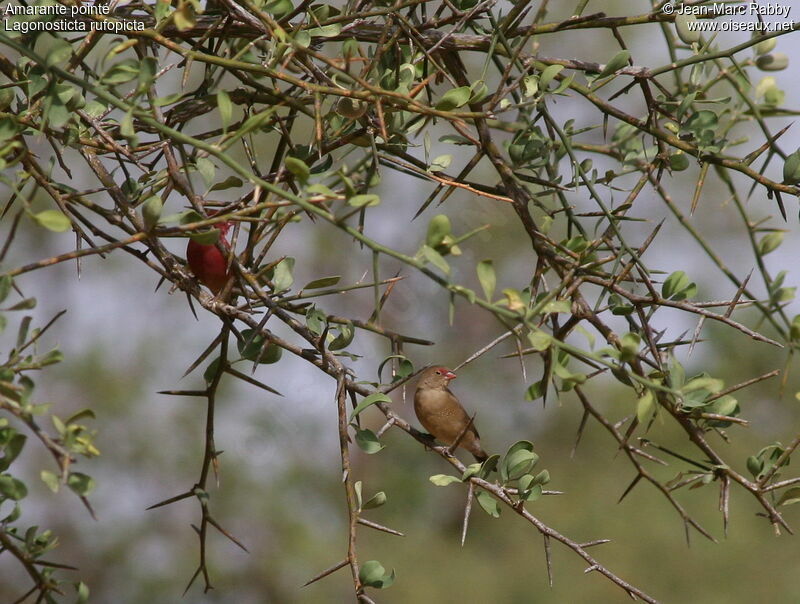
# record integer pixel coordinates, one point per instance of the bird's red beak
(449, 375)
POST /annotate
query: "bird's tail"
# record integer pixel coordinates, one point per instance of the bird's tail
(478, 453)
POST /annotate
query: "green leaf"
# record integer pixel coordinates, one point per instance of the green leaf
(346, 334)
(619, 61)
(525, 482)
(724, 405)
(316, 320)
(357, 489)
(209, 237)
(252, 348)
(472, 470)
(207, 170)
(791, 168)
(211, 371)
(148, 67)
(11, 488)
(126, 128)
(322, 282)
(764, 47)
(678, 287)
(487, 278)
(366, 200)
(520, 445)
(440, 163)
(548, 74)
(80, 483)
(645, 407)
(320, 189)
(184, 16)
(51, 480)
(326, 31)
(488, 466)
(151, 211)
(531, 85)
(488, 503)
(517, 464)
(232, 182)
(678, 161)
(302, 39)
(700, 121)
(8, 128)
(479, 91)
(535, 391)
(225, 108)
(282, 277)
(12, 450)
(452, 99)
(7, 96)
(773, 62)
(533, 493)
(438, 228)
(542, 477)
(163, 101)
(790, 496)
(6, 281)
(22, 334)
(80, 415)
(376, 397)
(299, 168)
(53, 220)
(404, 369)
(26, 304)
(768, 90)
(688, 34)
(442, 480)
(122, 72)
(577, 244)
(755, 465)
(770, 242)
(435, 258)
(83, 593)
(629, 346)
(540, 340)
(59, 53)
(373, 574)
(376, 501)
(279, 8)
(703, 382)
(368, 441)
(557, 306)
(565, 83)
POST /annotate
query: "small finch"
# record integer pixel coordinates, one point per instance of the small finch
(441, 413)
(208, 264)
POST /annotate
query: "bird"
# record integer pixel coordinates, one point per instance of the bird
(208, 263)
(441, 413)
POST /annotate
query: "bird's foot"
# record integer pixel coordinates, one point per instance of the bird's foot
(429, 439)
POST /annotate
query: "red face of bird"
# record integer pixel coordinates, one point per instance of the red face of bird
(445, 373)
(224, 228)
(436, 377)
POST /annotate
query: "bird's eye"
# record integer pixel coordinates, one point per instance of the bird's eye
(438, 372)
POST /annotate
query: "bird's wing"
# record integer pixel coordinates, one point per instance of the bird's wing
(472, 428)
